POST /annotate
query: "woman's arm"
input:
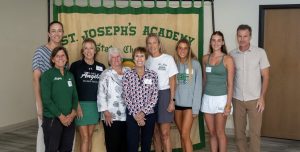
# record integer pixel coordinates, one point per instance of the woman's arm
(37, 93)
(197, 89)
(172, 82)
(46, 94)
(204, 62)
(229, 65)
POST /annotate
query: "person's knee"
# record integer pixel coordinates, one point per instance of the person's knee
(85, 138)
(185, 135)
(212, 133)
(165, 135)
(221, 134)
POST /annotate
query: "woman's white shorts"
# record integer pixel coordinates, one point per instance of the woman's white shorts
(213, 104)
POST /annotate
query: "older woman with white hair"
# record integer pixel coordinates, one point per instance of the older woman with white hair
(111, 104)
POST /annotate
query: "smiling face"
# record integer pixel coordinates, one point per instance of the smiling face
(89, 50)
(115, 60)
(153, 46)
(139, 59)
(55, 33)
(216, 42)
(182, 50)
(60, 59)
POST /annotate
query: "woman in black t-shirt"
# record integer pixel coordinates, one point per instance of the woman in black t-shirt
(86, 73)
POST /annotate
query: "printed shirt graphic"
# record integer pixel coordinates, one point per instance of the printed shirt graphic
(183, 75)
(87, 79)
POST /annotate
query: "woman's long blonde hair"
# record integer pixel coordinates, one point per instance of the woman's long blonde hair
(190, 56)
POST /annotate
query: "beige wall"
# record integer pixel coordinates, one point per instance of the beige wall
(23, 28)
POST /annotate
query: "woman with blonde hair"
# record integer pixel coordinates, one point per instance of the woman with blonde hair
(87, 72)
(188, 92)
(165, 67)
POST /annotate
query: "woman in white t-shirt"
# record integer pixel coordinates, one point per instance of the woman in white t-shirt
(166, 69)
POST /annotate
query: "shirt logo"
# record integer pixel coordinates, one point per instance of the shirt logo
(57, 78)
(91, 76)
(162, 67)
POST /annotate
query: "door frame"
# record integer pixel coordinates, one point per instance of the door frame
(262, 10)
(261, 24)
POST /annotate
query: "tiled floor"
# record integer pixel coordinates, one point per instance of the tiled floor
(22, 139)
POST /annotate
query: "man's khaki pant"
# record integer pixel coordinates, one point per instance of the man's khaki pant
(242, 109)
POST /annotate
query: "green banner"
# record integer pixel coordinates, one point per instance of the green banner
(127, 28)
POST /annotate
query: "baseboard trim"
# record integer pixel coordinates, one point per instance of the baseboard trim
(17, 125)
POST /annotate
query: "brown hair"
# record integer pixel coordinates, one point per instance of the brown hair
(55, 51)
(244, 27)
(52, 23)
(140, 50)
(223, 48)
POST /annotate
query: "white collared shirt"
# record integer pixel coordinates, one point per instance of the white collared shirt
(248, 66)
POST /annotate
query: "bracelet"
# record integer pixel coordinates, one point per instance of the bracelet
(228, 106)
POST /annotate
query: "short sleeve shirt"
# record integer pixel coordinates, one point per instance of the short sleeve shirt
(87, 79)
(248, 66)
(165, 67)
(41, 59)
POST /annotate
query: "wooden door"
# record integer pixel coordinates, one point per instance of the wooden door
(281, 118)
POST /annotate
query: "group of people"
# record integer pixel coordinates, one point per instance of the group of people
(139, 105)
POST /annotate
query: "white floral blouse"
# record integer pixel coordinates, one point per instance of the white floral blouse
(110, 94)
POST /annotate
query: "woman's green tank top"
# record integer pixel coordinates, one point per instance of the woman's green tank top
(216, 79)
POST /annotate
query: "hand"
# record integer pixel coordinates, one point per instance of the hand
(171, 106)
(227, 109)
(195, 116)
(39, 110)
(260, 106)
(71, 117)
(108, 118)
(79, 112)
(141, 123)
(63, 119)
(139, 116)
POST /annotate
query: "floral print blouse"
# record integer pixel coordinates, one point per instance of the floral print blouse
(110, 94)
(140, 94)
